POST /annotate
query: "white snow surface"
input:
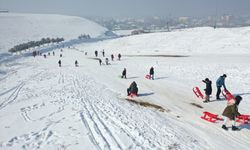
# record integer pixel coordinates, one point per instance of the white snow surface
(43, 106)
(16, 28)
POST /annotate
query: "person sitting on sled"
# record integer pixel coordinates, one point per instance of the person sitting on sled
(132, 89)
(208, 90)
(231, 112)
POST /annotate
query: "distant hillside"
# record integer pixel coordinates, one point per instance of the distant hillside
(19, 28)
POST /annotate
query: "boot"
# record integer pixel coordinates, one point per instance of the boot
(224, 127)
(234, 128)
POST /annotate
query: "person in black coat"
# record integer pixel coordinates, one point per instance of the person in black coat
(151, 73)
(124, 73)
(60, 63)
(119, 56)
(208, 90)
(112, 57)
(76, 63)
(132, 88)
(96, 53)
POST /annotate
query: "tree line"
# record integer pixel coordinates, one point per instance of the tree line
(32, 44)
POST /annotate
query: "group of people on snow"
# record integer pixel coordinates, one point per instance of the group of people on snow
(231, 110)
(220, 82)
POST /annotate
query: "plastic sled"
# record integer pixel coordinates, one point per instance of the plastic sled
(198, 93)
(210, 117)
(244, 119)
(148, 76)
(228, 96)
(133, 95)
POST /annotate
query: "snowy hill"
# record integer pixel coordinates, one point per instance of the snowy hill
(19, 28)
(184, 42)
(43, 106)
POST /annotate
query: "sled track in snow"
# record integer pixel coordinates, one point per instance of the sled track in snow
(94, 115)
(99, 133)
(13, 96)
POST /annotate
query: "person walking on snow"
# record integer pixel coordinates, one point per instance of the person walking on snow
(151, 73)
(219, 83)
(231, 112)
(96, 53)
(103, 53)
(119, 56)
(100, 62)
(76, 63)
(107, 61)
(124, 73)
(132, 89)
(112, 57)
(208, 90)
(60, 63)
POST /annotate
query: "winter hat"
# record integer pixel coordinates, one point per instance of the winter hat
(206, 79)
(238, 98)
(224, 75)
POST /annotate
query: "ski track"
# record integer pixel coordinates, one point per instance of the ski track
(12, 97)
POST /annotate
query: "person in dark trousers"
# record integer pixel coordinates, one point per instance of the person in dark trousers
(151, 73)
(112, 57)
(124, 73)
(44, 55)
(219, 83)
(60, 55)
(119, 56)
(231, 112)
(76, 63)
(96, 53)
(132, 88)
(103, 53)
(48, 53)
(107, 61)
(53, 53)
(60, 63)
(100, 62)
(208, 89)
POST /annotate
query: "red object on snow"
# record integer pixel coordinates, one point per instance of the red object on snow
(148, 76)
(133, 95)
(228, 96)
(198, 93)
(244, 119)
(210, 117)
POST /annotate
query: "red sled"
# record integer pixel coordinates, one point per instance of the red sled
(228, 96)
(133, 95)
(210, 117)
(198, 93)
(244, 119)
(148, 76)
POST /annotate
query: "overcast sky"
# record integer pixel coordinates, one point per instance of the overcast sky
(129, 7)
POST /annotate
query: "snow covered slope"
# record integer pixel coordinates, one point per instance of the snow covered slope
(184, 42)
(43, 106)
(19, 28)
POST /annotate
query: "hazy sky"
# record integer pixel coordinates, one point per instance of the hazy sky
(128, 7)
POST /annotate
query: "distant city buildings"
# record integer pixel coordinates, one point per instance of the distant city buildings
(157, 23)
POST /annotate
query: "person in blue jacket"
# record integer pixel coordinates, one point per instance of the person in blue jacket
(219, 83)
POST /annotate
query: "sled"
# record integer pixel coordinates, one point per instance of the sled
(244, 119)
(210, 117)
(198, 93)
(148, 76)
(228, 96)
(133, 95)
